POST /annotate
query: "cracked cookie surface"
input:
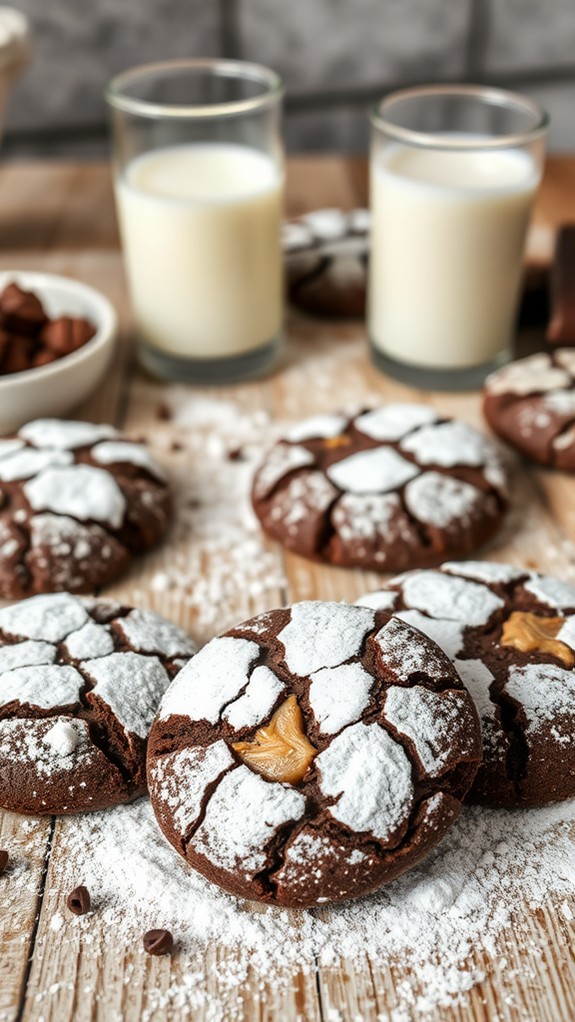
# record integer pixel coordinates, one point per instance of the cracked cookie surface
(531, 404)
(511, 635)
(77, 501)
(312, 754)
(80, 683)
(392, 488)
(326, 255)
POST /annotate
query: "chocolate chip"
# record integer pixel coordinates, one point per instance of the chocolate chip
(3, 859)
(22, 310)
(164, 412)
(236, 454)
(158, 942)
(78, 901)
(66, 334)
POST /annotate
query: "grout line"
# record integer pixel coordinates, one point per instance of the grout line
(39, 902)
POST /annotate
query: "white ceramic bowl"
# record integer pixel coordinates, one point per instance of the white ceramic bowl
(55, 388)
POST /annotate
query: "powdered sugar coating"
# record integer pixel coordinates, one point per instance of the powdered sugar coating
(380, 600)
(241, 817)
(50, 617)
(90, 641)
(317, 427)
(260, 696)
(121, 676)
(200, 767)
(394, 421)
(339, 695)
(551, 592)
(439, 500)
(447, 634)
(149, 633)
(427, 719)
(533, 375)
(53, 746)
(484, 571)
(546, 693)
(363, 516)
(63, 737)
(215, 676)
(326, 224)
(323, 635)
(445, 596)
(46, 686)
(303, 494)
(26, 654)
(65, 435)
(82, 491)
(27, 462)
(374, 471)
(477, 679)
(448, 444)
(369, 775)
(281, 460)
(117, 452)
(8, 447)
(399, 646)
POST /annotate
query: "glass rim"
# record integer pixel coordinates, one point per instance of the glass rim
(488, 94)
(240, 69)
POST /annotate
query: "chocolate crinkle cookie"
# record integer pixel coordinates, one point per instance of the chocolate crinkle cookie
(511, 635)
(326, 255)
(77, 501)
(312, 754)
(388, 489)
(80, 683)
(531, 405)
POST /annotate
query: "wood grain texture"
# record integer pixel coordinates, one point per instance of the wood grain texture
(60, 218)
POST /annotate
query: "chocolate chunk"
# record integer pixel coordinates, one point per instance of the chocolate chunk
(22, 310)
(3, 859)
(18, 355)
(66, 334)
(79, 901)
(158, 942)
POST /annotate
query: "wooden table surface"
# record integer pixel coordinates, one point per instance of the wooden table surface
(59, 217)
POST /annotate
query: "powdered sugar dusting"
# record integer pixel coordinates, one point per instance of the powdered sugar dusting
(369, 775)
(430, 719)
(552, 592)
(132, 685)
(82, 491)
(317, 427)
(439, 500)
(241, 817)
(65, 435)
(323, 635)
(200, 767)
(26, 462)
(339, 695)
(117, 452)
(373, 471)
(43, 686)
(546, 693)
(445, 596)
(449, 444)
(26, 654)
(215, 676)
(394, 421)
(150, 633)
(256, 703)
(50, 617)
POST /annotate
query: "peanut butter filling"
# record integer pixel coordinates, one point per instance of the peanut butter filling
(280, 751)
(337, 441)
(530, 633)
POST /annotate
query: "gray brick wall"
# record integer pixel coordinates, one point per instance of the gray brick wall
(335, 56)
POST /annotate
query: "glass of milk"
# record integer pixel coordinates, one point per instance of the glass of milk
(199, 179)
(454, 172)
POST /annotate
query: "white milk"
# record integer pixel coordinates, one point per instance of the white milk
(200, 226)
(448, 234)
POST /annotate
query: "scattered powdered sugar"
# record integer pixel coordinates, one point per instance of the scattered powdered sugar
(82, 491)
(261, 694)
(546, 693)
(339, 695)
(131, 685)
(50, 617)
(241, 817)
(323, 635)
(431, 720)
(449, 597)
(438, 500)
(491, 867)
(394, 421)
(373, 471)
(216, 675)
(369, 775)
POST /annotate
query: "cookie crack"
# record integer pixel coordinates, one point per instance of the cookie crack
(209, 790)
